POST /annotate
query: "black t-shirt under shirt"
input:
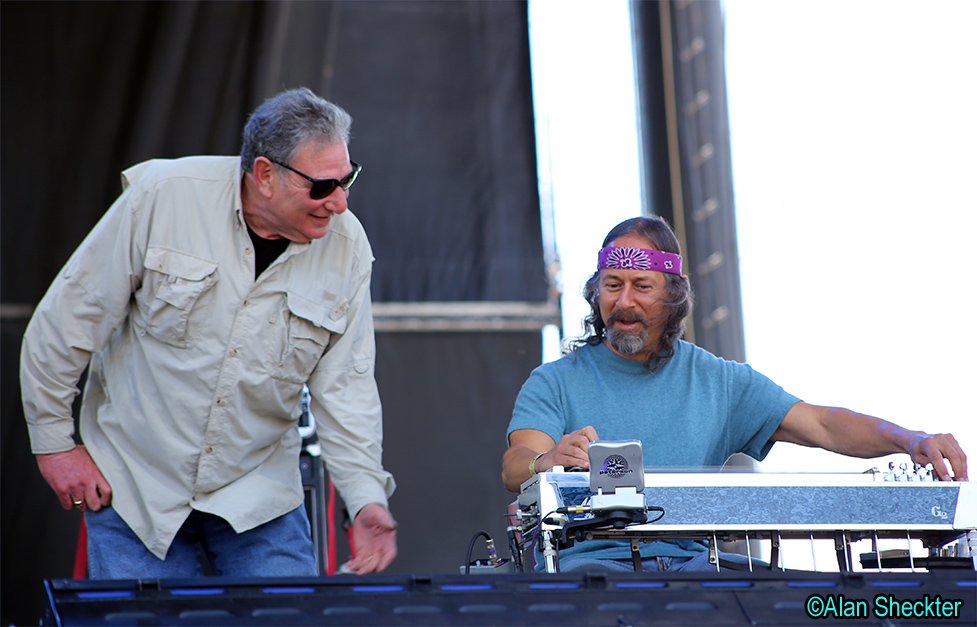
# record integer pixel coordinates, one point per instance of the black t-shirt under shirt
(266, 251)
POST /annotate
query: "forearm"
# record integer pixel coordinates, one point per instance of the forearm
(515, 466)
(860, 435)
(49, 372)
(520, 461)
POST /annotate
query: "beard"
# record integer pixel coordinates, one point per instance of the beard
(627, 342)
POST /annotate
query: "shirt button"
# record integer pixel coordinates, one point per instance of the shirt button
(210, 449)
(221, 402)
(194, 497)
(247, 251)
(233, 352)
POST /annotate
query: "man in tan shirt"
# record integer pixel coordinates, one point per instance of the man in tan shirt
(209, 294)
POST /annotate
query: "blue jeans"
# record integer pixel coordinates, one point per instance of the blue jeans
(698, 563)
(279, 548)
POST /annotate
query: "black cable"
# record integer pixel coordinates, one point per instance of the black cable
(514, 550)
(471, 545)
(510, 531)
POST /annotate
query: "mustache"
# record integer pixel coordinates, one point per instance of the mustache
(631, 316)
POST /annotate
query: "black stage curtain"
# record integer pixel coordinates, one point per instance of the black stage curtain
(450, 197)
(440, 94)
(445, 439)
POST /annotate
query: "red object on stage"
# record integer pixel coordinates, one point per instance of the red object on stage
(81, 552)
(331, 530)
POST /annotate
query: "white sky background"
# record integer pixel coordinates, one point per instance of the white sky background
(853, 138)
(583, 87)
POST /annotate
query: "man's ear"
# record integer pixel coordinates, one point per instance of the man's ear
(265, 176)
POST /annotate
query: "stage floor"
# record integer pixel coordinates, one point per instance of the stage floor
(760, 598)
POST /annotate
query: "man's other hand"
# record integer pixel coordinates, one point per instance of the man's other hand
(573, 449)
(374, 540)
(933, 449)
(76, 479)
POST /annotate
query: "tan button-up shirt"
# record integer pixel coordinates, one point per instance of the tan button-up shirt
(197, 368)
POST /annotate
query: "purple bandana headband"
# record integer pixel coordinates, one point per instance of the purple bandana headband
(627, 258)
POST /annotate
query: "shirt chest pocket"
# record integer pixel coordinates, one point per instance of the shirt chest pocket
(174, 306)
(293, 354)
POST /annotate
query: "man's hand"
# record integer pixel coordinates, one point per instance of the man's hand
(374, 540)
(76, 479)
(525, 444)
(933, 449)
(571, 450)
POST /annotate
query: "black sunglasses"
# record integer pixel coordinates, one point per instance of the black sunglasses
(323, 187)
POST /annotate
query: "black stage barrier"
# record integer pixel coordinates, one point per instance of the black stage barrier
(768, 598)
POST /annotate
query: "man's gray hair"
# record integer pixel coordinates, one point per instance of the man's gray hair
(283, 123)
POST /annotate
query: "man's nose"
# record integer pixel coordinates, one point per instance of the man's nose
(626, 299)
(337, 200)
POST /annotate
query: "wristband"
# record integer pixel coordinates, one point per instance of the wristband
(532, 465)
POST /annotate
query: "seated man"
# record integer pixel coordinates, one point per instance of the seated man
(633, 378)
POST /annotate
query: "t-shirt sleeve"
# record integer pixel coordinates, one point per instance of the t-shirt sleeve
(757, 407)
(540, 405)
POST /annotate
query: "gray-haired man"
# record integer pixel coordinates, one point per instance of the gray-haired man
(209, 294)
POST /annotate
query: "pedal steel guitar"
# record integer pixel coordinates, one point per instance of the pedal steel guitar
(557, 508)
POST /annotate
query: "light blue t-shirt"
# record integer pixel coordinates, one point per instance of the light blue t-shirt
(695, 412)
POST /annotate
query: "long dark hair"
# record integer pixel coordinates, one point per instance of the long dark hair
(678, 291)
